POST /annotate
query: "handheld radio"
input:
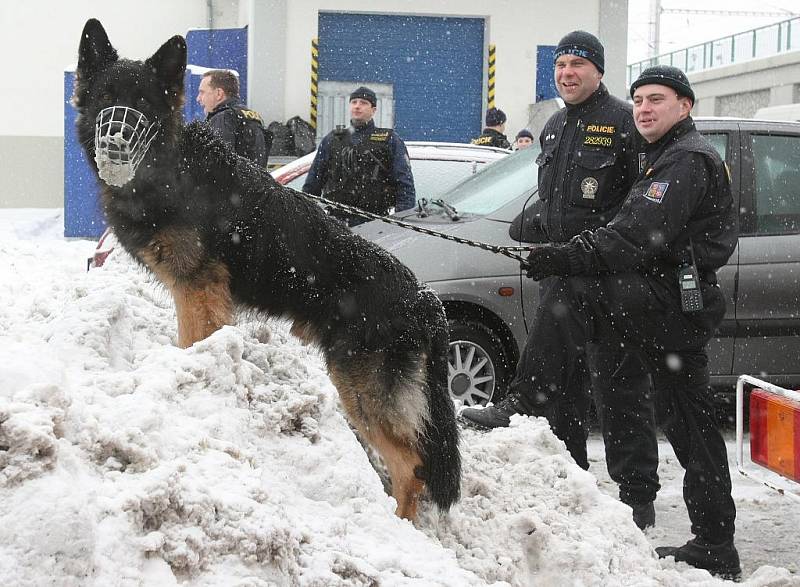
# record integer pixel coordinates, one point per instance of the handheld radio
(689, 286)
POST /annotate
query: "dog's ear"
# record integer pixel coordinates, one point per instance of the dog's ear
(95, 51)
(169, 63)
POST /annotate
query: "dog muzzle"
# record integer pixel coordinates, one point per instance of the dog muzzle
(122, 137)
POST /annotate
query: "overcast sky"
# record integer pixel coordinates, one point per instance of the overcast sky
(679, 31)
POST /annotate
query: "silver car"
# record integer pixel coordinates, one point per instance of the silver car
(490, 302)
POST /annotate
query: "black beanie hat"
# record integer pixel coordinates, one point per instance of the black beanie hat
(665, 75)
(525, 133)
(365, 94)
(584, 45)
(495, 117)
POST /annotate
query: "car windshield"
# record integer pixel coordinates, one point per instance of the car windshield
(497, 184)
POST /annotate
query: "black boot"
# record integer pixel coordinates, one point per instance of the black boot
(497, 416)
(721, 560)
(644, 515)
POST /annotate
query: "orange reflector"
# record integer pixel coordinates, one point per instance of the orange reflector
(506, 291)
(775, 433)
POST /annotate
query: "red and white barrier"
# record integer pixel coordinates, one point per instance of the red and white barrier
(774, 432)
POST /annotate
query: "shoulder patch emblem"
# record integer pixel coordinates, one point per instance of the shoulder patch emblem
(657, 191)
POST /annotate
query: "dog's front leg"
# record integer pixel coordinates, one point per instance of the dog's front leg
(199, 286)
(201, 309)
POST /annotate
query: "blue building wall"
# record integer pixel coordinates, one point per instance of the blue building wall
(545, 81)
(436, 65)
(219, 49)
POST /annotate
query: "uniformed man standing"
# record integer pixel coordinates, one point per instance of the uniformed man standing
(648, 280)
(494, 133)
(235, 124)
(589, 160)
(362, 166)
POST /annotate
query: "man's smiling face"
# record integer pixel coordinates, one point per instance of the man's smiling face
(576, 78)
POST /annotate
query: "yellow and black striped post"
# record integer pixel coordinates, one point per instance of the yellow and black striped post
(492, 59)
(314, 76)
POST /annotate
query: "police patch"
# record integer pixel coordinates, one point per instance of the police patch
(656, 191)
(589, 188)
(642, 161)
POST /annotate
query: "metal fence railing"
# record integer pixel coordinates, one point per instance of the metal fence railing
(779, 37)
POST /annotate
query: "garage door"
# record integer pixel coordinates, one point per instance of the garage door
(435, 66)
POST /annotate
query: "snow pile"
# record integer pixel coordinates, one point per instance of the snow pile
(127, 461)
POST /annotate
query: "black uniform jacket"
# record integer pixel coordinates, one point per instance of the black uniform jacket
(241, 128)
(683, 193)
(492, 138)
(589, 160)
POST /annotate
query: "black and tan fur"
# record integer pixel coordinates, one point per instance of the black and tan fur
(221, 234)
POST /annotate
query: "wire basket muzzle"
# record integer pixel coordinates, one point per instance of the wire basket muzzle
(122, 137)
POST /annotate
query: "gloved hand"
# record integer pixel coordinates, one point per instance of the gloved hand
(546, 261)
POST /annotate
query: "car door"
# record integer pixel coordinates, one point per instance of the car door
(767, 306)
(724, 136)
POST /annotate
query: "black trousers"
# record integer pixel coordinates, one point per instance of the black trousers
(620, 387)
(643, 312)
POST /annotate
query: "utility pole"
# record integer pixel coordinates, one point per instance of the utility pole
(655, 28)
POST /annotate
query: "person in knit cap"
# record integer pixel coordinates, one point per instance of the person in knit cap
(648, 280)
(362, 165)
(494, 133)
(589, 159)
(524, 139)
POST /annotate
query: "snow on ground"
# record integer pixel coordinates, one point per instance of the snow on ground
(127, 461)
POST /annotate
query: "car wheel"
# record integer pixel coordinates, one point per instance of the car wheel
(477, 368)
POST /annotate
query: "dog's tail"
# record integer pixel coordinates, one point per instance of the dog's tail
(439, 444)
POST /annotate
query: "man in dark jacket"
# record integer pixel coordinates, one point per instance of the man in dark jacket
(494, 133)
(648, 280)
(362, 166)
(589, 160)
(235, 124)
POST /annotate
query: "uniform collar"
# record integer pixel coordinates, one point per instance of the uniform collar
(575, 110)
(493, 131)
(674, 134)
(222, 106)
(369, 127)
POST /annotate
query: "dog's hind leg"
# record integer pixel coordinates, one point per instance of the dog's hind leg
(402, 460)
(390, 417)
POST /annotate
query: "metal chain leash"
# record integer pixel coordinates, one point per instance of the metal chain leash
(507, 251)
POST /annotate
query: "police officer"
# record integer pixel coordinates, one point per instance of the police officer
(235, 124)
(648, 280)
(494, 133)
(589, 160)
(362, 166)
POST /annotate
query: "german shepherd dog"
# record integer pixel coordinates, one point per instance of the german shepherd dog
(221, 234)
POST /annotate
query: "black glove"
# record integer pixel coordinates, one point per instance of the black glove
(546, 261)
